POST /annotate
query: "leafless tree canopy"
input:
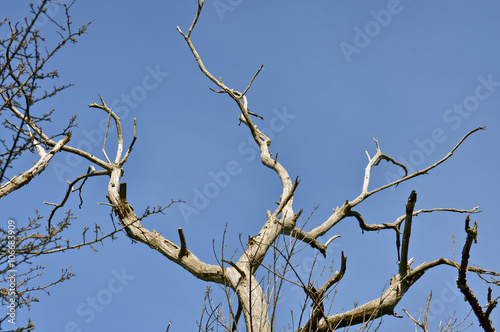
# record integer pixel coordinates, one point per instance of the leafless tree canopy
(252, 285)
(24, 57)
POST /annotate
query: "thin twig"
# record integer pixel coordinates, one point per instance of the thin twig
(251, 81)
(90, 173)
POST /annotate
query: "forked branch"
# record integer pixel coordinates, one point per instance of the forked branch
(425, 170)
(25, 177)
(341, 212)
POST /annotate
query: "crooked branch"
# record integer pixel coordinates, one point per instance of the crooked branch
(482, 316)
(90, 173)
(425, 170)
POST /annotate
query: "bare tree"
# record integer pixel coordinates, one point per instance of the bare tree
(25, 55)
(282, 234)
(23, 73)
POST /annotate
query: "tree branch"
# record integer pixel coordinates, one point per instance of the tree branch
(483, 317)
(425, 170)
(403, 263)
(90, 173)
(45, 139)
(25, 177)
(341, 212)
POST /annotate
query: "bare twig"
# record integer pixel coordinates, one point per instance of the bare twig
(251, 81)
(90, 173)
(418, 323)
(124, 160)
(236, 267)
(119, 133)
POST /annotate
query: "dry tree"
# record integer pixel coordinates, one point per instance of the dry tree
(251, 279)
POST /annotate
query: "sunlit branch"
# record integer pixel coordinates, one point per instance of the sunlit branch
(25, 177)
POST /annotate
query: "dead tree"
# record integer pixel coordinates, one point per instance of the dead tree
(240, 274)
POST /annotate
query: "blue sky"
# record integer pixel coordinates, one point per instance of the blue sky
(415, 75)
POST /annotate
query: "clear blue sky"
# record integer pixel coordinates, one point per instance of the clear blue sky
(335, 74)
